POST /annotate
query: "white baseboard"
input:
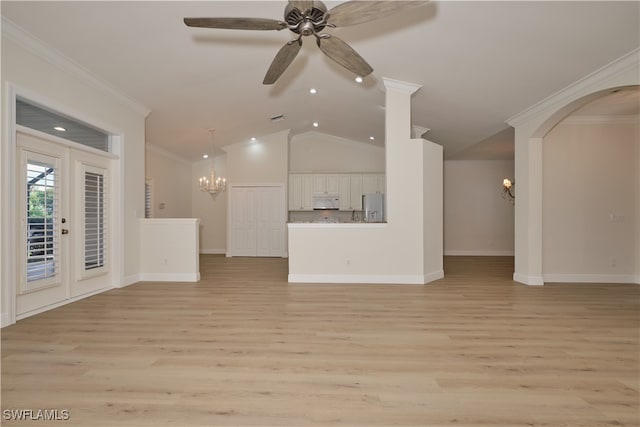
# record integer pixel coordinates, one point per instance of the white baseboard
(435, 275)
(213, 251)
(528, 280)
(591, 278)
(130, 280)
(62, 303)
(4, 320)
(454, 252)
(359, 278)
(170, 277)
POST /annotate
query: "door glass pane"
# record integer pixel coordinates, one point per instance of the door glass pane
(94, 221)
(42, 212)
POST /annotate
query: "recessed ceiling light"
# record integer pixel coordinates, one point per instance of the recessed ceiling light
(359, 79)
(60, 129)
(372, 138)
(313, 90)
(253, 138)
(315, 124)
(205, 156)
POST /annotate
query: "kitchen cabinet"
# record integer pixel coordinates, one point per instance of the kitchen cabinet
(348, 186)
(300, 192)
(350, 192)
(325, 184)
(373, 183)
(356, 192)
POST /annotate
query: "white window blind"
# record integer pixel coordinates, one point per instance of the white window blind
(148, 199)
(95, 219)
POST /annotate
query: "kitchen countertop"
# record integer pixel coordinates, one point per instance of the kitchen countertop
(336, 224)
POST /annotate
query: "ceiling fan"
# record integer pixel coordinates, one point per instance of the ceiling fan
(311, 17)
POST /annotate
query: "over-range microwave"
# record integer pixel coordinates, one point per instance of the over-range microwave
(326, 202)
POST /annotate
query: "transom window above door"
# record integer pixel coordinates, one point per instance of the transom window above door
(33, 116)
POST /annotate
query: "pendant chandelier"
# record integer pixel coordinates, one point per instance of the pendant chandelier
(212, 184)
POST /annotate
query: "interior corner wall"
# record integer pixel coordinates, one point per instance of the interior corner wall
(590, 202)
(477, 219)
(33, 72)
(319, 152)
(211, 209)
(172, 184)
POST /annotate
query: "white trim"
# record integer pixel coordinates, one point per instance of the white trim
(61, 303)
(568, 94)
(377, 279)
(477, 253)
(592, 278)
(400, 86)
(528, 280)
(433, 276)
(213, 251)
(588, 120)
(64, 142)
(166, 153)
(130, 280)
(36, 46)
(5, 320)
(170, 277)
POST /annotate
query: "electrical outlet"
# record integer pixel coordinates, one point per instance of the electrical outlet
(613, 262)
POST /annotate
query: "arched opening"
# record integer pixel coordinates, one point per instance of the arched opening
(590, 189)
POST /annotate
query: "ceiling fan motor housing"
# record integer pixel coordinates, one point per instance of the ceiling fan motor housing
(306, 22)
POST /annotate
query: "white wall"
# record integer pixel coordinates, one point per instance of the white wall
(41, 75)
(589, 174)
(169, 250)
(319, 152)
(477, 219)
(172, 182)
(260, 162)
(211, 209)
(395, 252)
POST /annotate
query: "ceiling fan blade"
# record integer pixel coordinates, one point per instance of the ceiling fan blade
(283, 58)
(236, 23)
(301, 5)
(357, 12)
(344, 55)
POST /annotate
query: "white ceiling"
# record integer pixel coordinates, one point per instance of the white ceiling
(478, 62)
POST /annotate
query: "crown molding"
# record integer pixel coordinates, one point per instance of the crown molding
(589, 120)
(24, 39)
(615, 68)
(400, 86)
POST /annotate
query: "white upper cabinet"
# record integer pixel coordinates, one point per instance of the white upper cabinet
(373, 183)
(300, 192)
(349, 187)
(325, 184)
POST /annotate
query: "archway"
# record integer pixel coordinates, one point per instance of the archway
(530, 127)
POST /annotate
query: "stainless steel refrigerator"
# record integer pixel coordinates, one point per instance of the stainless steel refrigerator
(373, 207)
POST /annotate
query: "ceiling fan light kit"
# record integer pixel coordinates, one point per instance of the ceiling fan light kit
(309, 18)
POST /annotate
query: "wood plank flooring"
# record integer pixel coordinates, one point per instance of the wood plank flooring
(244, 348)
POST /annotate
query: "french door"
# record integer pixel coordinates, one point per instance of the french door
(63, 223)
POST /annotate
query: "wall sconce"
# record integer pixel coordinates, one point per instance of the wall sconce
(507, 193)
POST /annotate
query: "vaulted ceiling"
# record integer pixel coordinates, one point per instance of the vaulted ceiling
(478, 62)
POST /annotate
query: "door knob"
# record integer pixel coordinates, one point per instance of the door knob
(65, 231)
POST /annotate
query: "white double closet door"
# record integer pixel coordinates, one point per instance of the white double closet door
(257, 221)
(63, 223)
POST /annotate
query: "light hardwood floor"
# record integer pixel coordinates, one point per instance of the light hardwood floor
(242, 347)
